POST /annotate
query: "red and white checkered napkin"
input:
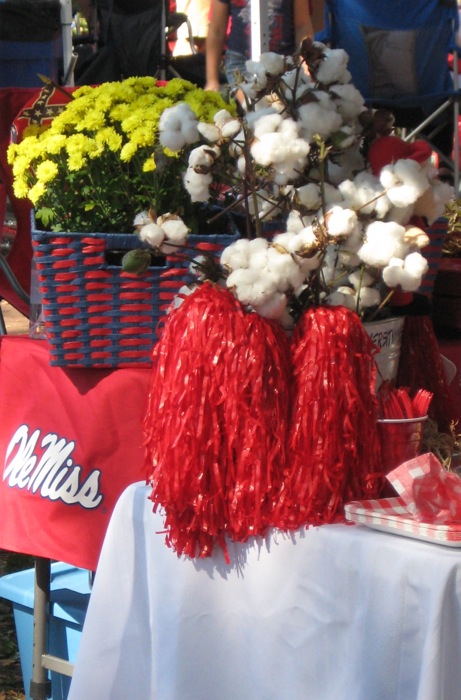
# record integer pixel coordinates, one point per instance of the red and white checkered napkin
(391, 515)
(428, 506)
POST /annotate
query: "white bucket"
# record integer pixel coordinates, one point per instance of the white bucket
(387, 336)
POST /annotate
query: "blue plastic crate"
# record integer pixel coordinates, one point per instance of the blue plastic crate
(70, 594)
(20, 62)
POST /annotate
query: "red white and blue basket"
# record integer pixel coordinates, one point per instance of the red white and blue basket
(95, 314)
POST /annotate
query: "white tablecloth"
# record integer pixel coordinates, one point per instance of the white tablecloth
(333, 613)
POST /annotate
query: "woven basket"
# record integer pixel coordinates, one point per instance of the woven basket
(95, 315)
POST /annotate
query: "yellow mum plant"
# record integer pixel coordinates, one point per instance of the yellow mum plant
(100, 161)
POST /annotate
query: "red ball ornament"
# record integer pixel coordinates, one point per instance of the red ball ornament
(389, 149)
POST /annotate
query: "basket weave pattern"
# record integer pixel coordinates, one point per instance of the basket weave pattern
(95, 315)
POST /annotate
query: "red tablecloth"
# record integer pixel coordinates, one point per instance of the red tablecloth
(70, 442)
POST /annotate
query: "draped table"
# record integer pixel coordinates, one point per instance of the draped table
(339, 612)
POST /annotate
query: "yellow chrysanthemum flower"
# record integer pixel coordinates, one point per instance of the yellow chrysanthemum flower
(46, 171)
(149, 166)
(36, 192)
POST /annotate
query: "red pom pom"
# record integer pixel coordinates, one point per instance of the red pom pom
(216, 422)
(334, 452)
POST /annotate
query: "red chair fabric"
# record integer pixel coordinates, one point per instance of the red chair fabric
(70, 443)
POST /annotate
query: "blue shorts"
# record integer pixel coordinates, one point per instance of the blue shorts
(233, 61)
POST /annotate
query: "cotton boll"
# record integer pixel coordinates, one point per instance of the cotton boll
(332, 268)
(368, 297)
(304, 241)
(295, 85)
(343, 296)
(203, 157)
(142, 219)
(305, 247)
(409, 282)
(345, 165)
(274, 308)
(332, 68)
(172, 117)
(416, 264)
(393, 272)
(258, 259)
(252, 118)
(365, 193)
(273, 63)
(257, 76)
(350, 102)
(406, 273)
(361, 279)
(309, 196)
(288, 171)
(210, 132)
(231, 129)
(316, 119)
(351, 245)
(267, 124)
(190, 131)
(340, 222)
(284, 239)
(236, 255)
(383, 240)
(251, 287)
(266, 149)
(401, 215)
(178, 127)
(152, 234)
(332, 194)
(196, 267)
(344, 138)
(284, 269)
(175, 229)
(258, 245)
(404, 181)
(241, 164)
(290, 129)
(242, 278)
(197, 185)
(279, 147)
(295, 222)
(309, 264)
(174, 140)
(222, 117)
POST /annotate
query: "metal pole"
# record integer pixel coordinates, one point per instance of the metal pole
(40, 685)
(69, 59)
(259, 29)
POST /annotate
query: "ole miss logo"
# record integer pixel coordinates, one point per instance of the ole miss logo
(45, 466)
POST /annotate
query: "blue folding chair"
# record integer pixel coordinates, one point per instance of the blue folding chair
(399, 59)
